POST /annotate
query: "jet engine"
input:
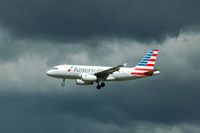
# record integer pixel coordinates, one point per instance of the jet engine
(81, 82)
(89, 77)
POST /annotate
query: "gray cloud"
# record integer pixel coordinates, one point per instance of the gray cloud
(32, 102)
(169, 99)
(74, 20)
(25, 112)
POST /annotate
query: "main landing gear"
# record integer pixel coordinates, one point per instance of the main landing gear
(63, 83)
(100, 85)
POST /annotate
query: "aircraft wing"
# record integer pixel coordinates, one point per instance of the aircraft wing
(104, 74)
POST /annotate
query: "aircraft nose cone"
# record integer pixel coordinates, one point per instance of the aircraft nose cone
(48, 73)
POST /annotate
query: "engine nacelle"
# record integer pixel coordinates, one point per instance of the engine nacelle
(81, 82)
(89, 77)
(157, 72)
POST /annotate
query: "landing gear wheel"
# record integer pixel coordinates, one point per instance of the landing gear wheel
(102, 84)
(63, 84)
(98, 87)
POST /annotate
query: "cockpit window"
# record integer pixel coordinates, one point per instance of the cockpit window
(55, 68)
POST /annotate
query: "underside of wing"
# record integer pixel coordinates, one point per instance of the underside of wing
(105, 73)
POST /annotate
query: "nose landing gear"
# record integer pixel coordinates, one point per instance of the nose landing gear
(63, 83)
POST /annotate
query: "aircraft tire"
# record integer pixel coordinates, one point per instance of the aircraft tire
(63, 84)
(98, 87)
(102, 84)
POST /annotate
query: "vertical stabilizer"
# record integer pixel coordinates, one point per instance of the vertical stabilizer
(148, 62)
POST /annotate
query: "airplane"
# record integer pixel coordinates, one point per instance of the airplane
(88, 75)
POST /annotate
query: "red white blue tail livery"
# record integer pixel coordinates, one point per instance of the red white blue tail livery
(88, 75)
(147, 64)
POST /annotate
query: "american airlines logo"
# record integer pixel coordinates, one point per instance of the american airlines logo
(87, 70)
(70, 69)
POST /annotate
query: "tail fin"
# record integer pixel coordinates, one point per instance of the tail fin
(148, 62)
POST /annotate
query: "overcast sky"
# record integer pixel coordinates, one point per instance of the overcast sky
(36, 35)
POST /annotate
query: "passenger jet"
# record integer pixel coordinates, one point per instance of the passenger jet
(88, 75)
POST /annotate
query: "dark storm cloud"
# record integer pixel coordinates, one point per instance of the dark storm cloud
(120, 106)
(149, 102)
(76, 19)
(32, 102)
(39, 101)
